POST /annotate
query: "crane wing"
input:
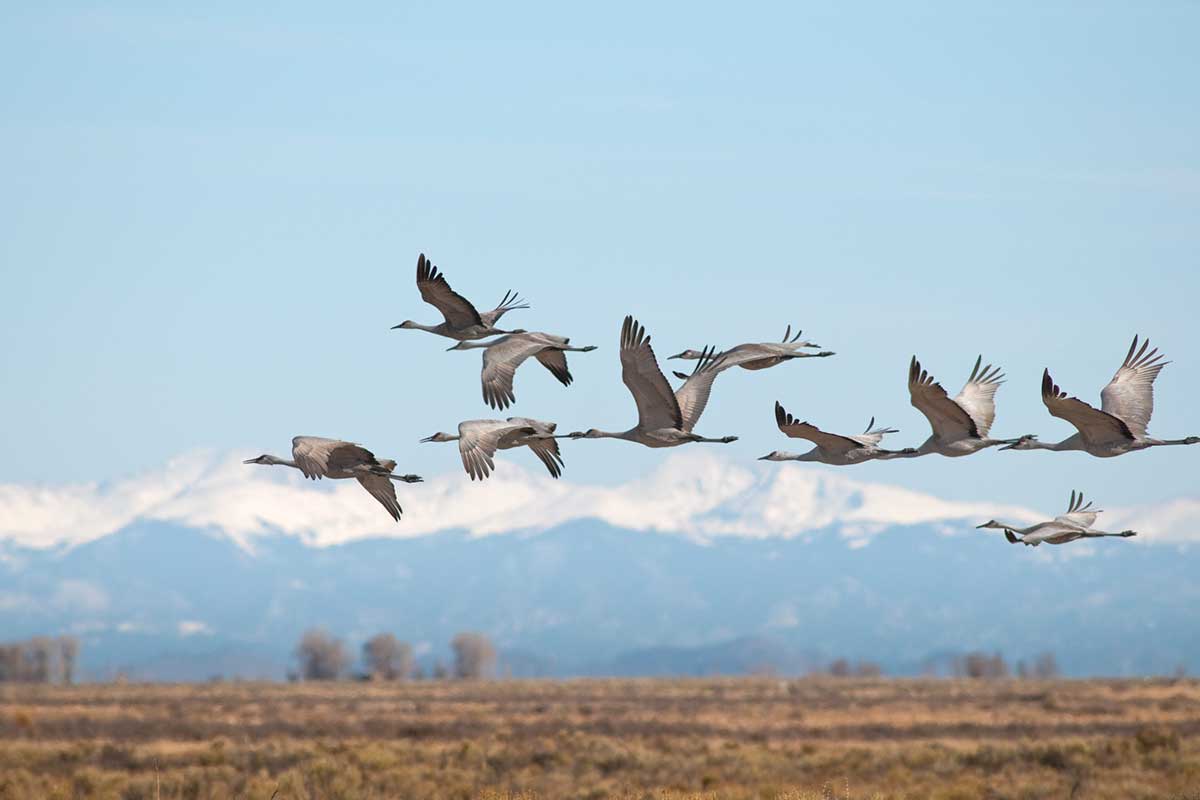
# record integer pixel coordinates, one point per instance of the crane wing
(872, 436)
(556, 361)
(1095, 426)
(477, 443)
(1077, 513)
(457, 310)
(656, 403)
(311, 454)
(545, 449)
(692, 396)
(510, 302)
(382, 489)
(1129, 396)
(500, 362)
(978, 396)
(830, 442)
(949, 420)
(548, 453)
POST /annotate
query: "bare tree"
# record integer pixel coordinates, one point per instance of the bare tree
(1045, 666)
(68, 658)
(12, 662)
(867, 669)
(387, 658)
(981, 665)
(322, 657)
(474, 656)
(840, 668)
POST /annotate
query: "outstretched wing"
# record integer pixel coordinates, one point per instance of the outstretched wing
(556, 361)
(457, 310)
(1129, 396)
(1095, 426)
(978, 396)
(545, 449)
(692, 396)
(872, 436)
(510, 302)
(830, 442)
(500, 362)
(477, 443)
(949, 420)
(381, 488)
(1078, 513)
(656, 403)
(317, 456)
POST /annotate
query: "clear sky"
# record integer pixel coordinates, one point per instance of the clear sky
(211, 218)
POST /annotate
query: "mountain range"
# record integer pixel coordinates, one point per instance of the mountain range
(704, 566)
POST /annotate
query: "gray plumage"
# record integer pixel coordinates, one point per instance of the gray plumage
(317, 457)
(502, 357)
(479, 439)
(1071, 526)
(462, 320)
(760, 355)
(666, 418)
(832, 448)
(1119, 425)
(961, 424)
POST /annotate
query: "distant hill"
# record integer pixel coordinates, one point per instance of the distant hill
(157, 600)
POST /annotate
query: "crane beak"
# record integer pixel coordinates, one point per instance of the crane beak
(426, 439)
(677, 355)
(396, 327)
(984, 525)
(249, 461)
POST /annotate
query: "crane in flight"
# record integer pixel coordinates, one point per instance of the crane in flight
(1119, 425)
(317, 457)
(462, 321)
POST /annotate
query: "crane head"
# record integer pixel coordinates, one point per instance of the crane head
(439, 437)
(408, 323)
(991, 523)
(689, 355)
(778, 455)
(263, 459)
(1024, 443)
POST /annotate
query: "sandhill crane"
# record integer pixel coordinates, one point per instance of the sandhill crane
(1126, 403)
(761, 355)
(960, 425)
(832, 448)
(479, 439)
(502, 356)
(665, 418)
(462, 320)
(1076, 523)
(318, 458)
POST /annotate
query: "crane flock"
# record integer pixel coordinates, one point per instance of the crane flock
(960, 425)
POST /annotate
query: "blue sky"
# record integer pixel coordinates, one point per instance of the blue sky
(211, 219)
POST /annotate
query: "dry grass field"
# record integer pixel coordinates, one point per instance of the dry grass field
(729, 738)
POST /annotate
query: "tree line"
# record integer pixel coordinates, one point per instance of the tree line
(322, 656)
(42, 659)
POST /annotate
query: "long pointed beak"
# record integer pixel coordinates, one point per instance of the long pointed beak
(767, 457)
(677, 355)
(396, 327)
(426, 439)
(448, 349)
(249, 461)
(984, 525)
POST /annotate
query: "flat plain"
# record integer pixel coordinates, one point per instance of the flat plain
(716, 738)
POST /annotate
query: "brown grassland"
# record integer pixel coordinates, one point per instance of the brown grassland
(721, 738)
